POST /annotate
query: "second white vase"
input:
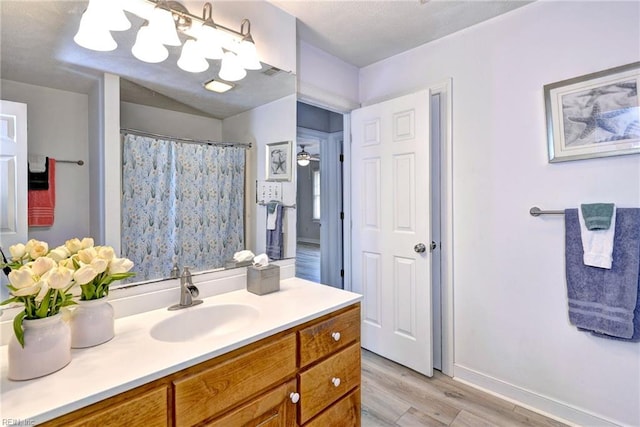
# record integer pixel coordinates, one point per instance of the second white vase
(92, 323)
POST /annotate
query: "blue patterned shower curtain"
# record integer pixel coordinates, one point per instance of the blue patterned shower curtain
(182, 204)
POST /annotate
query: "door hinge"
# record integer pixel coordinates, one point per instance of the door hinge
(342, 215)
(341, 273)
(341, 158)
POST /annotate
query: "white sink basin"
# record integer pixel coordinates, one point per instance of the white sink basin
(200, 322)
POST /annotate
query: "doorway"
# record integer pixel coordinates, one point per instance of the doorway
(319, 201)
(439, 100)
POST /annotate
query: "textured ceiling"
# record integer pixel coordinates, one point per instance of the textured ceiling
(363, 32)
(36, 47)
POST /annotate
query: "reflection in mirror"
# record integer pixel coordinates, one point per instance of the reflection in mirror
(61, 84)
(182, 203)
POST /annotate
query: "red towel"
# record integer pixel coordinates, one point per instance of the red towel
(42, 203)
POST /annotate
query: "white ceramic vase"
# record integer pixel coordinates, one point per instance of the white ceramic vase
(47, 348)
(92, 323)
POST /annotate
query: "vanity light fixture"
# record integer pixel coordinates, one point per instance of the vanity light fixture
(168, 23)
(303, 157)
(147, 48)
(97, 21)
(218, 86)
(191, 59)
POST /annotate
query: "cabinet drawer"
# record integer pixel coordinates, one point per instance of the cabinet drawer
(344, 413)
(214, 390)
(317, 387)
(272, 409)
(147, 410)
(318, 341)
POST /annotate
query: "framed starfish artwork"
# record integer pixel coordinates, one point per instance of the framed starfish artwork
(595, 115)
(279, 161)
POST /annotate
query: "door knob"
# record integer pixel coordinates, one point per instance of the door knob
(295, 397)
(420, 248)
(336, 336)
(335, 381)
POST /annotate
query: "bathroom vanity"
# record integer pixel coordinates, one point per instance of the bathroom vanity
(294, 362)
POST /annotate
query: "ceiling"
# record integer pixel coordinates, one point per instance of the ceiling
(364, 31)
(36, 47)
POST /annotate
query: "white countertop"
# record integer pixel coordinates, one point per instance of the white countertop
(133, 357)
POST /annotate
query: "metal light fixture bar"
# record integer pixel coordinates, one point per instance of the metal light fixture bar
(183, 13)
(164, 20)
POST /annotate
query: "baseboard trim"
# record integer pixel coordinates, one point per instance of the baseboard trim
(543, 405)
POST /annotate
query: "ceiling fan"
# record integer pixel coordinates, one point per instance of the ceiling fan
(304, 157)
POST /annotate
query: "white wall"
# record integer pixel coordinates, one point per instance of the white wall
(273, 122)
(171, 123)
(512, 333)
(325, 80)
(58, 127)
(273, 30)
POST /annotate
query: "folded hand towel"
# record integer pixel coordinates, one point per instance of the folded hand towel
(597, 216)
(597, 244)
(37, 163)
(275, 242)
(39, 180)
(242, 256)
(42, 203)
(602, 300)
(271, 215)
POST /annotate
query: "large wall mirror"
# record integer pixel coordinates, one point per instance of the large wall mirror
(58, 80)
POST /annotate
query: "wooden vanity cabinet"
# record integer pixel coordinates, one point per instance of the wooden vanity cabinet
(329, 352)
(210, 392)
(141, 407)
(306, 376)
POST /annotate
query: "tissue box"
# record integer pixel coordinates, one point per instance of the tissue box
(263, 280)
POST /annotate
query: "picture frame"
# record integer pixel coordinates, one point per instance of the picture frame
(595, 115)
(279, 161)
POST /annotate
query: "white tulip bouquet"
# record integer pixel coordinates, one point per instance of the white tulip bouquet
(42, 279)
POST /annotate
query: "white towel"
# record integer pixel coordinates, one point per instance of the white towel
(37, 163)
(597, 244)
(242, 256)
(271, 219)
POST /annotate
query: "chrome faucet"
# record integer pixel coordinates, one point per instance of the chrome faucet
(187, 292)
(175, 272)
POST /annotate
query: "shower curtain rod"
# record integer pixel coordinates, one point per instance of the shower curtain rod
(187, 140)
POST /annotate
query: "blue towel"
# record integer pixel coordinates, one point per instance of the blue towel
(274, 237)
(601, 300)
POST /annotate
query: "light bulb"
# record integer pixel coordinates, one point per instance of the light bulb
(163, 27)
(191, 59)
(230, 69)
(92, 34)
(109, 13)
(148, 49)
(209, 42)
(248, 54)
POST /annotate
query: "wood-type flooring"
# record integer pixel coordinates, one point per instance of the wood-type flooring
(393, 395)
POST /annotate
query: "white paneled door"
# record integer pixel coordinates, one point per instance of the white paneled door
(390, 258)
(13, 178)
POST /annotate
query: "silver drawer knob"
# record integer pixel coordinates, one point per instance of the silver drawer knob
(295, 397)
(336, 336)
(335, 381)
